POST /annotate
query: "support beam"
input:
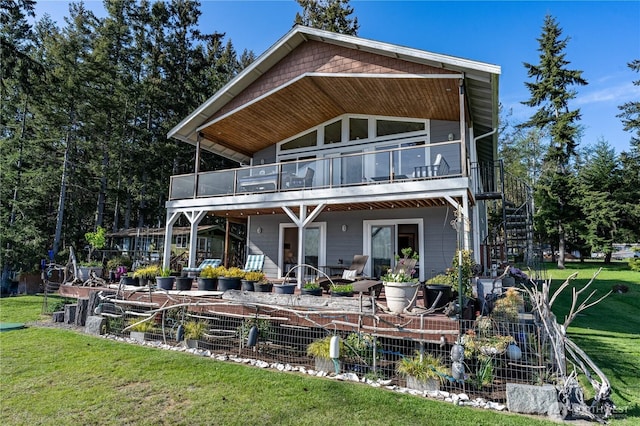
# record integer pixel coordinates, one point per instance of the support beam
(194, 218)
(172, 217)
(463, 134)
(302, 220)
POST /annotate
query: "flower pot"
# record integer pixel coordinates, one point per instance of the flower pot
(227, 283)
(311, 291)
(246, 285)
(431, 293)
(423, 385)
(138, 336)
(184, 283)
(326, 364)
(342, 293)
(165, 283)
(400, 296)
(262, 287)
(84, 272)
(285, 288)
(207, 284)
(129, 281)
(508, 282)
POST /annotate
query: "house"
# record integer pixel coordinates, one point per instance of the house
(348, 146)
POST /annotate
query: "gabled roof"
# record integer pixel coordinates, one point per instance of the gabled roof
(236, 126)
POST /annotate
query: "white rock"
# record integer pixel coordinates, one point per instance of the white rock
(463, 397)
(262, 364)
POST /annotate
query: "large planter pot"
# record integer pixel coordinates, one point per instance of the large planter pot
(431, 293)
(165, 283)
(423, 385)
(184, 283)
(227, 283)
(207, 284)
(84, 272)
(285, 288)
(246, 285)
(311, 291)
(129, 281)
(400, 296)
(341, 293)
(326, 364)
(262, 287)
(138, 336)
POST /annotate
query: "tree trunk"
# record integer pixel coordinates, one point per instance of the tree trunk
(61, 199)
(561, 246)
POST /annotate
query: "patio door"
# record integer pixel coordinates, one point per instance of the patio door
(385, 238)
(314, 248)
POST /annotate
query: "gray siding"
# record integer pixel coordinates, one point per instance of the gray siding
(439, 236)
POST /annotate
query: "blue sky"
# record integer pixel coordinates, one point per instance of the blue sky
(604, 37)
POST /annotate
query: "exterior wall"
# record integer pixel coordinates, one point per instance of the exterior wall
(439, 237)
(451, 153)
(266, 156)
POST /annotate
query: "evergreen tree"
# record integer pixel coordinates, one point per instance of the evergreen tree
(629, 190)
(330, 15)
(551, 93)
(599, 180)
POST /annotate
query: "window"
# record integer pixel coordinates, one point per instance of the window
(392, 127)
(333, 132)
(181, 241)
(304, 141)
(358, 128)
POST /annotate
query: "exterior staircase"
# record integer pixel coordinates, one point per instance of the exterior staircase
(509, 202)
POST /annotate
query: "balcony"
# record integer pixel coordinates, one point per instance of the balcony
(411, 163)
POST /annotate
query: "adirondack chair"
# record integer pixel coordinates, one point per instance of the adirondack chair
(255, 262)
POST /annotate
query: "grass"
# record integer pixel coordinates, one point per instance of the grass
(608, 332)
(55, 376)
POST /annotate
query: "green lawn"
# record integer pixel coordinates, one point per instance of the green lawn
(54, 376)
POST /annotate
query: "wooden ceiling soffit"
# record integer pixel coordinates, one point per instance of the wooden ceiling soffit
(315, 99)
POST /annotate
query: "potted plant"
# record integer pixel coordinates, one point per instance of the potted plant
(146, 273)
(208, 279)
(230, 279)
(423, 371)
(165, 280)
(400, 290)
(342, 290)
(262, 286)
(139, 329)
(285, 287)
(311, 288)
(117, 267)
(439, 285)
(96, 240)
(320, 350)
(193, 332)
(184, 283)
(250, 278)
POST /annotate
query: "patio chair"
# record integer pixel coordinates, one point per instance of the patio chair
(255, 262)
(351, 274)
(305, 181)
(207, 262)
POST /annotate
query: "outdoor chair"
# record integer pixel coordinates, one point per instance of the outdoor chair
(255, 262)
(351, 274)
(207, 262)
(305, 181)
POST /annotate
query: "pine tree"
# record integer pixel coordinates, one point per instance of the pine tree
(599, 179)
(629, 190)
(330, 15)
(550, 93)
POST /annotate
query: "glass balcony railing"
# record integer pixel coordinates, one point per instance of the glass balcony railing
(416, 162)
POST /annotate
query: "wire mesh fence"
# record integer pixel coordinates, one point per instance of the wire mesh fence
(506, 346)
